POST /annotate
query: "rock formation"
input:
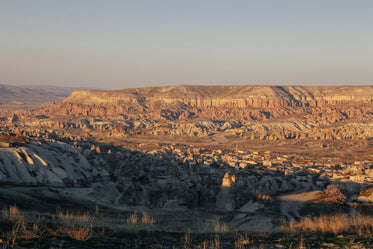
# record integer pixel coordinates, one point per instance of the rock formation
(251, 112)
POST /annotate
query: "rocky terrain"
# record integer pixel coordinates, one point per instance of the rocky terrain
(141, 179)
(214, 201)
(249, 155)
(174, 123)
(50, 163)
(292, 115)
(264, 112)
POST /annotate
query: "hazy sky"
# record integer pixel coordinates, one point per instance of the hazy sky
(119, 44)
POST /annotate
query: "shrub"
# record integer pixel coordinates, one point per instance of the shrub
(335, 195)
(81, 233)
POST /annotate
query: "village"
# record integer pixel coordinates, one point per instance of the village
(275, 163)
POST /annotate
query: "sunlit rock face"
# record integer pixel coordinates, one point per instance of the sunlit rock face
(180, 100)
(228, 181)
(225, 199)
(208, 115)
(366, 195)
(254, 112)
(251, 112)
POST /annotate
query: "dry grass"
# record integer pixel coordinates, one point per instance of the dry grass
(13, 235)
(22, 230)
(241, 241)
(186, 241)
(133, 219)
(12, 213)
(82, 233)
(332, 224)
(31, 230)
(219, 227)
(77, 218)
(97, 211)
(211, 244)
(212, 226)
(203, 227)
(76, 226)
(216, 243)
(145, 219)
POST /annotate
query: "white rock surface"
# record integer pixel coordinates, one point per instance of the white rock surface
(48, 163)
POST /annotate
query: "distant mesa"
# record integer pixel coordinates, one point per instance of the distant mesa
(179, 102)
(247, 112)
(177, 97)
(240, 96)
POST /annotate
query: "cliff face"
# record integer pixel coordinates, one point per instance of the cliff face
(252, 112)
(220, 102)
(234, 96)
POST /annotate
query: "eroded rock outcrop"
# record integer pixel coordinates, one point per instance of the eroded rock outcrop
(251, 112)
(50, 164)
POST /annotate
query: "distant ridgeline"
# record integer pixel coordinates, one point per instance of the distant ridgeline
(249, 112)
(255, 102)
(27, 97)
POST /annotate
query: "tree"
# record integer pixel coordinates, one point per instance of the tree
(335, 195)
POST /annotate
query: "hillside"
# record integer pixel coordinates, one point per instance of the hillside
(224, 103)
(240, 96)
(254, 159)
(327, 119)
(27, 97)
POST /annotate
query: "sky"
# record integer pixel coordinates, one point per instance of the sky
(115, 44)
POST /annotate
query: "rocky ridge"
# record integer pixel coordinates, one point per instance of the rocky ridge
(251, 112)
(133, 178)
(200, 114)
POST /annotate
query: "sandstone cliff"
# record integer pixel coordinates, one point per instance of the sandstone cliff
(230, 96)
(221, 102)
(252, 112)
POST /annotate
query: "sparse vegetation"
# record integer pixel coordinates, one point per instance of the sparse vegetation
(77, 218)
(220, 227)
(133, 219)
(335, 224)
(241, 241)
(186, 241)
(145, 219)
(83, 227)
(211, 243)
(170, 158)
(11, 213)
(80, 233)
(20, 229)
